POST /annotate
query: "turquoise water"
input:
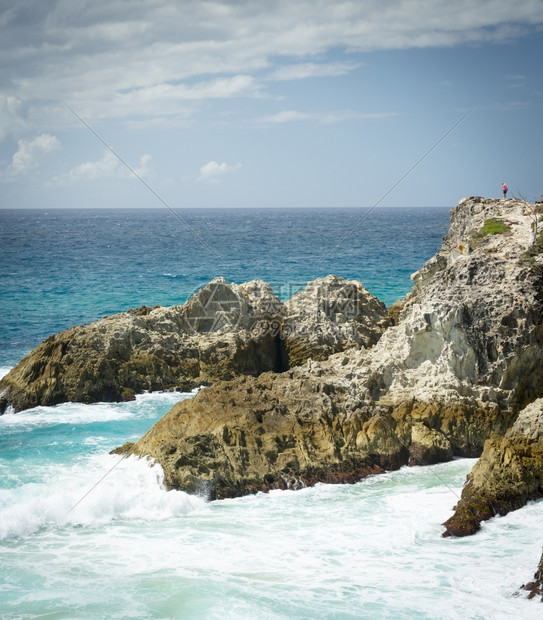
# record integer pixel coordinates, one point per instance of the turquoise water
(126, 548)
(67, 267)
(130, 549)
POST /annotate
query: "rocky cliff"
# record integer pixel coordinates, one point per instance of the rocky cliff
(223, 331)
(463, 359)
(459, 372)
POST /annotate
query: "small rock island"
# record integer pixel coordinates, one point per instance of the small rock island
(330, 386)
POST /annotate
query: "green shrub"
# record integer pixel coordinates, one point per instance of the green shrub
(537, 248)
(492, 226)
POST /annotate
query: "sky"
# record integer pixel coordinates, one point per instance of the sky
(275, 103)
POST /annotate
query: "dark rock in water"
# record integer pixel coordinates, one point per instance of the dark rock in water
(298, 428)
(223, 331)
(535, 588)
(508, 474)
(256, 434)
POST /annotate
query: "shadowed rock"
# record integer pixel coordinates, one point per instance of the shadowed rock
(508, 474)
(535, 587)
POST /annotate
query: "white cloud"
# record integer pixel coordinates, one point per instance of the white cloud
(326, 117)
(212, 171)
(516, 81)
(163, 94)
(311, 69)
(29, 152)
(108, 167)
(10, 116)
(285, 116)
(124, 59)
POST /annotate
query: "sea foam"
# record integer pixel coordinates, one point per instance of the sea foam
(104, 489)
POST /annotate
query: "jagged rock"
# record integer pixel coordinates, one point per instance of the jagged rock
(224, 330)
(464, 357)
(346, 316)
(255, 434)
(280, 431)
(535, 587)
(508, 474)
(472, 326)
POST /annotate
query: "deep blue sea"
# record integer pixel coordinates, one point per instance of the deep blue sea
(126, 548)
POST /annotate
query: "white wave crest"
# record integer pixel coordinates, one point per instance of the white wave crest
(133, 490)
(79, 413)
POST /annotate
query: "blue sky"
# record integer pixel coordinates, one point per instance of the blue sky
(269, 104)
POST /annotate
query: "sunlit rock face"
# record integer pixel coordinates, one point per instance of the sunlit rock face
(463, 358)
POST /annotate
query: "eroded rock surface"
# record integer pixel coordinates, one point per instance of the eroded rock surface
(331, 315)
(223, 331)
(508, 474)
(462, 359)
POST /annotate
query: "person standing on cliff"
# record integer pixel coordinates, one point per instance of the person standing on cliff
(504, 189)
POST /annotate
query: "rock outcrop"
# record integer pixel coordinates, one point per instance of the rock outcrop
(260, 433)
(535, 587)
(330, 315)
(458, 371)
(508, 474)
(223, 331)
(463, 358)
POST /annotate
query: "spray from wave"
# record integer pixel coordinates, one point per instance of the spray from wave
(134, 491)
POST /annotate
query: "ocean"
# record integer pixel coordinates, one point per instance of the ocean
(84, 534)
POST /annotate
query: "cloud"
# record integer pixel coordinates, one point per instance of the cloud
(285, 116)
(10, 116)
(130, 58)
(108, 167)
(162, 94)
(29, 152)
(516, 81)
(325, 117)
(212, 171)
(311, 69)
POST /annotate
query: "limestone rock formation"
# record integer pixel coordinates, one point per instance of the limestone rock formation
(224, 330)
(462, 359)
(300, 427)
(331, 315)
(259, 433)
